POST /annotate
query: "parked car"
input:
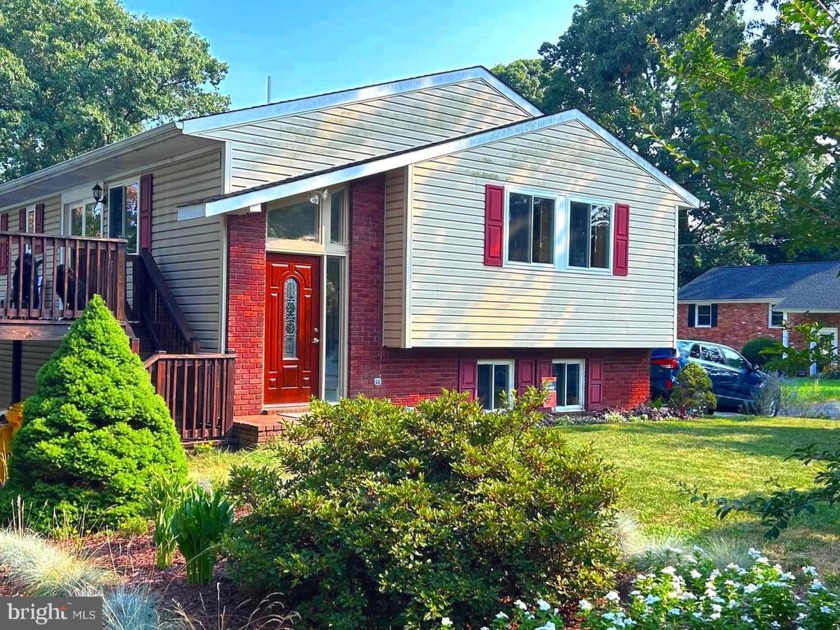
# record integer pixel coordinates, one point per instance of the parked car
(734, 380)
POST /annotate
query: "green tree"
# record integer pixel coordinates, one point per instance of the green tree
(94, 434)
(79, 74)
(603, 64)
(787, 156)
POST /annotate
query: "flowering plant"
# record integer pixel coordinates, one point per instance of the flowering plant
(542, 616)
(691, 592)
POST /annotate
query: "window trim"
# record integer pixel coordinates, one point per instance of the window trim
(770, 317)
(559, 202)
(567, 220)
(581, 386)
(510, 363)
(697, 306)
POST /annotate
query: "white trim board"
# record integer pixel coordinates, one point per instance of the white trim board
(334, 99)
(385, 163)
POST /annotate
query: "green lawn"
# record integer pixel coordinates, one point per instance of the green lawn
(725, 457)
(814, 390)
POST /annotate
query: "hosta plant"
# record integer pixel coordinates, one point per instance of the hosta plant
(198, 525)
(689, 593)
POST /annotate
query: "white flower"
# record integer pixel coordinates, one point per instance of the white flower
(754, 553)
(825, 609)
(714, 615)
(651, 599)
(751, 588)
(733, 566)
(502, 615)
(542, 604)
(717, 608)
(584, 605)
(747, 618)
(520, 604)
(446, 621)
(732, 604)
(812, 571)
(695, 574)
(674, 611)
(816, 585)
(612, 596)
(669, 571)
(762, 560)
(549, 625)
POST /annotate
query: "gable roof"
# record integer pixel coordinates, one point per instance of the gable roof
(813, 286)
(280, 189)
(185, 135)
(202, 124)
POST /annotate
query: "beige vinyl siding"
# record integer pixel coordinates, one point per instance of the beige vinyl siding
(458, 301)
(34, 355)
(394, 257)
(189, 252)
(282, 147)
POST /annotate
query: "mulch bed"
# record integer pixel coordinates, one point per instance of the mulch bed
(219, 606)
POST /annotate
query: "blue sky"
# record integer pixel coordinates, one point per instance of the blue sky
(309, 47)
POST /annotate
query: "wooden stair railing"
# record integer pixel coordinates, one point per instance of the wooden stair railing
(198, 389)
(157, 309)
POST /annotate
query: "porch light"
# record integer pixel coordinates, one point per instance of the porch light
(316, 197)
(97, 193)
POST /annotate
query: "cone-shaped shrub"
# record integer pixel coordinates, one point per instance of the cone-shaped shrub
(94, 432)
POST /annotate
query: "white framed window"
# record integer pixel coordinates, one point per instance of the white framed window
(495, 383)
(531, 222)
(569, 375)
(314, 222)
(124, 212)
(703, 315)
(776, 319)
(81, 218)
(590, 234)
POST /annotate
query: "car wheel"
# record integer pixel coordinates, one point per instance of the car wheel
(773, 408)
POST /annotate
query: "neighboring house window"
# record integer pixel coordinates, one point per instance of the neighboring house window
(531, 228)
(124, 208)
(81, 219)
(569, 375)
(702, 315)
(777, 318)
(590, 235)
(495, 383)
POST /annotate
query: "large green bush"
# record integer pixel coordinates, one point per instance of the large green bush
(392, 517)
(693, 390)
(752, 350)
(94, 432)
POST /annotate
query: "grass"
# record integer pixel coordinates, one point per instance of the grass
(724, 457)
(814, 390)
(212, 466)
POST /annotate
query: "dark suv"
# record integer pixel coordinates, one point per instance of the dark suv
(734, 380)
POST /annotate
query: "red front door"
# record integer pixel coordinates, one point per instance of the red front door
(292, 322)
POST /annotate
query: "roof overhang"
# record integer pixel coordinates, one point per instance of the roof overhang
(333, 99)
(132, 154)
(762, 300)
(252, 197)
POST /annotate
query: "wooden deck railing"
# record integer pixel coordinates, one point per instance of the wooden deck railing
(158, 310)
(198, 389)
(53, 277)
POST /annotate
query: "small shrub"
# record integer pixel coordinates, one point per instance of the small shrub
(693, 390)
(198, 524)
(163, 498)
(398, 517)
(687, 590)
(94, 432)
(133, 526)
(130, 609)
(37, 568)
(767, 399)
(752, 350)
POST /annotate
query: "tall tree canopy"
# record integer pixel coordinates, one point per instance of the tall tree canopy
(79, 74)
(605, 65)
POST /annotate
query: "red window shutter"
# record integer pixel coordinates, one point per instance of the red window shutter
(39, 226)
(525, 375)
(145, 220)
(494, 224)
(22, 220)
(468, 378)
(594, 383)
(4, 245)
(621, 239)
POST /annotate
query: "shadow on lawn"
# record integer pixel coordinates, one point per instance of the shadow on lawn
(743, 436)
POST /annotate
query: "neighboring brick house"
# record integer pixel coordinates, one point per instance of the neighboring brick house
(394, 240)
(732, 305)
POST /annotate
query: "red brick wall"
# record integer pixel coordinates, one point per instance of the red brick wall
(737, 324)
(412, 375)
(246, 308)
(825, 320)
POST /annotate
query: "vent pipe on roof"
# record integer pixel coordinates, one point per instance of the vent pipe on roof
(268, 89)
